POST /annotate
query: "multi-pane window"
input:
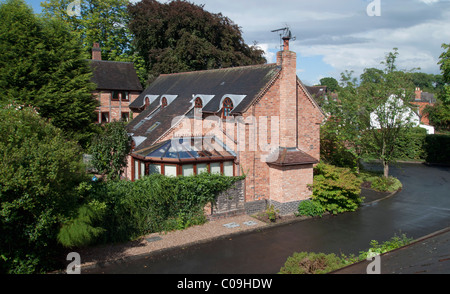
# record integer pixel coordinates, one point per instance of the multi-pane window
(119, 95)
(227, 107)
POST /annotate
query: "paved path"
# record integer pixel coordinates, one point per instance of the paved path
(421, 208)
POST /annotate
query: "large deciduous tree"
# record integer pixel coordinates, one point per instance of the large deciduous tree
(369, 118)
(42, 64)
(180, 36)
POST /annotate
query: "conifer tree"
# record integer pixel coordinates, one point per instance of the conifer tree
(42, 64)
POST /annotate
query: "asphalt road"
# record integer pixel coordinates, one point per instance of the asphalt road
(421, 208)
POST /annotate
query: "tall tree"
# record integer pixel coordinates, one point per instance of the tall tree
(180, 36)
(42, 64)
(390, 112)
(331, 83)
(440, 113)
(101, 21)
(370, 117)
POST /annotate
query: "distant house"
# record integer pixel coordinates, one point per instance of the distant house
(422, 100)
(259, 120)
(407, 115)
(117, 86)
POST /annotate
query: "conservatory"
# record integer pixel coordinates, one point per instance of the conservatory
(184, 156)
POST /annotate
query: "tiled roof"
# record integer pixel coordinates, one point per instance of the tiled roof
(243, 82)
(113, 75)
(291, 156)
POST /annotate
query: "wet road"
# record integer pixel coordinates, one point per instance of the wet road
(421, 208)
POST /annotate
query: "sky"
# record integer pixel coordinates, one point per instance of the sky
(331, 36)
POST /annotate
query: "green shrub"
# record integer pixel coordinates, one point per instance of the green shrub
(152, 204)
(391, 244)
(320, 263)
(383, 184)
(312, 263)
(410, 144)
(272, 213)
(336, 189)
(310, 208)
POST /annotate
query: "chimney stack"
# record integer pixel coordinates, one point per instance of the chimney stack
(288, 95)
(96, 52)
(418, 94)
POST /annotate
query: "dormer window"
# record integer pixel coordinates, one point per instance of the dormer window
(227, 107)
(198, 105)
(163, 102)
(147, 102)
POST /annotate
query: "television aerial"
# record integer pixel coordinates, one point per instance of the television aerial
(285, 33)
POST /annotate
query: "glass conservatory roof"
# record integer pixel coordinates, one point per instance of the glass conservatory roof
(187, 148)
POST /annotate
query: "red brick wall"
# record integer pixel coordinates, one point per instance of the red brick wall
(115, 108)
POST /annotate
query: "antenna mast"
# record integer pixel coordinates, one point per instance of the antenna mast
(285, 33)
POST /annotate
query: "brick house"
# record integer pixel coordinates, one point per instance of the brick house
(259, 119)
(117, 87)
(421, 101)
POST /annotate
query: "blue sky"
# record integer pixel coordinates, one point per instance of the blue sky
(334, 36)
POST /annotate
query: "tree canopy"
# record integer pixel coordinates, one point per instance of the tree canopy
(39, 173)
(369, 117)
(331, 83)
(42, 64)
(179, 36)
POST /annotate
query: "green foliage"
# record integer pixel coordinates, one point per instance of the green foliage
(389, 184)
(311, 263)
(320, 263)
(110, 148)
(410, 144)
(43, 64)
(439, 114)
(80, 231)
(127, 210)
(331, 83)
(437, 148)
(336, 189)
(369, 113)
(389, 245)
(332, 149)
(39, 169)
(310, 208)
(272, 213)
(180, 36)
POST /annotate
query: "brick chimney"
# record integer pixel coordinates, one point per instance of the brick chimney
(96, 52)
(288, 95)
(418, 94)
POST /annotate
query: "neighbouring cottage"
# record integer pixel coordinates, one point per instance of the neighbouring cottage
(259, 120)
(422, 100)
(117, 86)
